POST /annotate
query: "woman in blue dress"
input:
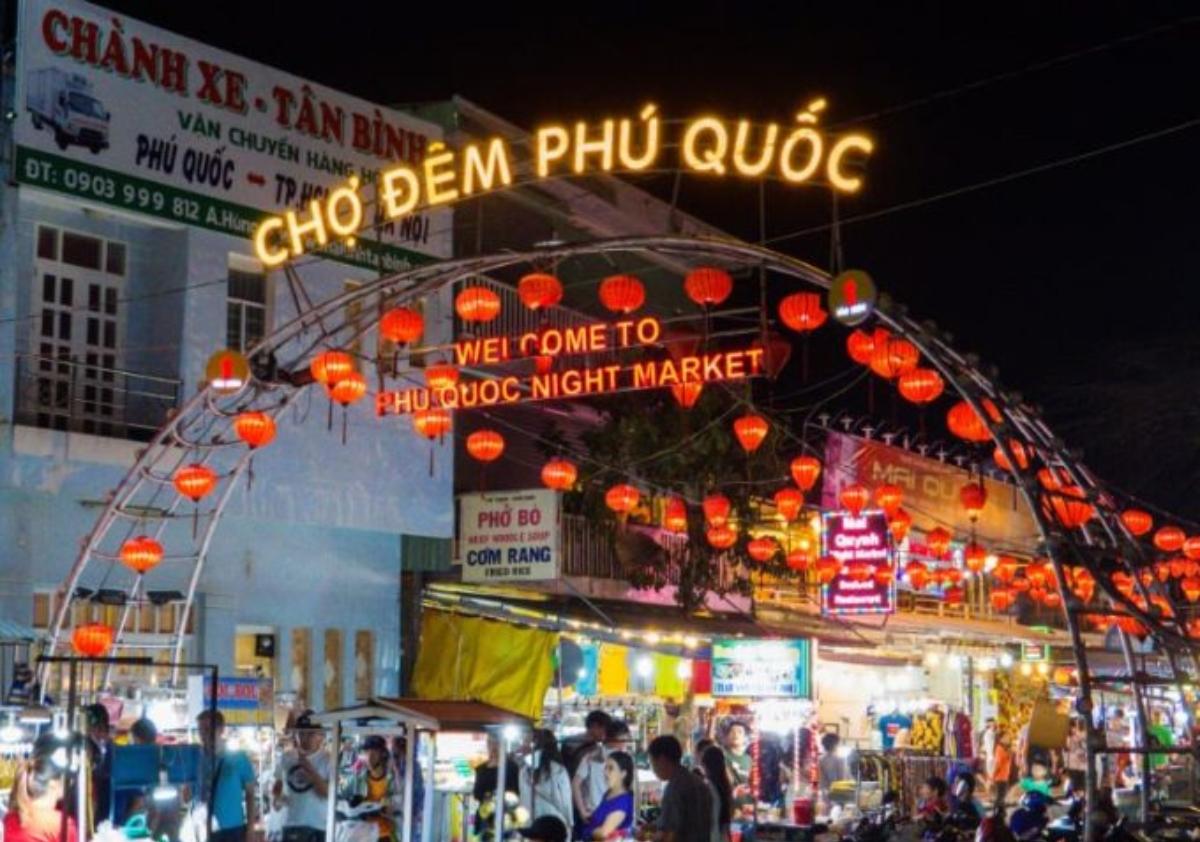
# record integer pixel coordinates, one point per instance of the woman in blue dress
(614, 817)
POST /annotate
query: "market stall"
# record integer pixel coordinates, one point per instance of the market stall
(412, 718)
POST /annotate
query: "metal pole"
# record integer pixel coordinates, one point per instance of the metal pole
(335, 749)
(500, 784)
(427, 816)
(410, 741)
(72, 754)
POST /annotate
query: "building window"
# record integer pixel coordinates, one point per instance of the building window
(78, 284)
(246, 303)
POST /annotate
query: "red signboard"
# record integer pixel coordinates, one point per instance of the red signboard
(866, 581)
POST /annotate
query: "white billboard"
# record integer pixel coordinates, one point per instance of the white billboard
(114, 111)
(509, 536)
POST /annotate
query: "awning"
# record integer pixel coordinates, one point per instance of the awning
(426, 714)
(12, 632)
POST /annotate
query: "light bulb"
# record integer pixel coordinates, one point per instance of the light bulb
(645, 667)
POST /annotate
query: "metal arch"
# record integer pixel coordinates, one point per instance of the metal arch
(1101, 547)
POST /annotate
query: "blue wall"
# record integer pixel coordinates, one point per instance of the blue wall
(314, 543)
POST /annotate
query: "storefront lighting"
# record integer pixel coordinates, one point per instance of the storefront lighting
(1043, 668)
(987, 664)
(511, 733)
(955, 661)
(684, 670)
(1026, 669)
(653, 638)
(1006, 660)
(645, 666)
(59, 758)
(11, 732)
(165, 791)
(691, 642)
(35, 715)
(990, 561)
(933, 659)
(581, 674)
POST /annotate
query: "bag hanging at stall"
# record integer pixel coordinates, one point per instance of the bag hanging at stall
(1047, 727)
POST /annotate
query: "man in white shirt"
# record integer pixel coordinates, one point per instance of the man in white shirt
(302, 782)
(588, 785)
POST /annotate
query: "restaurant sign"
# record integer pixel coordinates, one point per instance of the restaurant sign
(763, 669)
(242, 701)
(931, 491)
(866, 580)
(509, 536)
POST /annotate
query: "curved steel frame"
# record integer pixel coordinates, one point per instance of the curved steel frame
(202, 431)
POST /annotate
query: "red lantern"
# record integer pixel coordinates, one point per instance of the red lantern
(1169, 539)
(195, 481)
(1178, 566)
(884, 575)
(964, 422)
(1020, 584)
(559, 474)
(827, 569)
(441, 376)
(802, 311)
(894, 357)
(762, 548)
(921, 386)
(257, 429)
(889, 498)
(1191, 589)
(1070, 508)
(949, 577)
(917, 574)
(974, 557)
(1124, 583)
(854, 498)
(899, 524)
(721, 537)
(708, 286)
(788, 502)
(937, 540)
(1002, 599)
(622, 499)
(686, 394)
(798, 560)
(477, 304)
(622, 293)
(805, 470)
(1037, 575)
(1005, 569)
(349, 389)
(431, 423)
(675, 516)
(1049, 479)
(92, 640)
(537, 290)
(1018, 452)
(973, 497)
(485, 445)
(401, 325)
(860, 345)
(716, 509)
(1191, 548)
(1137, 522)
(141, 554)
(331, 366)
(750, 430)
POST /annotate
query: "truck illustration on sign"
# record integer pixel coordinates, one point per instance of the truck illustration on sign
(65, 103)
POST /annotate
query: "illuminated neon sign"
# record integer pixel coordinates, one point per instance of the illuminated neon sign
(571, 382)
(706, 145)
(865, 582)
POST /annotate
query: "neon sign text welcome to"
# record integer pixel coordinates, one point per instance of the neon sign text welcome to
(797, 154)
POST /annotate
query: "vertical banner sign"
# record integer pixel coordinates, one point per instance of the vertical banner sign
(763, 669)
(509, 536)
(866, 581)
(117, 112)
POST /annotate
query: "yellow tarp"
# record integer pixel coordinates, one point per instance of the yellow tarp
(667, 682)
(614, 670)
(473, 659)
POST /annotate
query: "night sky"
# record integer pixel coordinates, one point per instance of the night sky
(1077, 281)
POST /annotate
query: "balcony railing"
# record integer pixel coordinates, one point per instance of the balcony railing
(65, 393)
